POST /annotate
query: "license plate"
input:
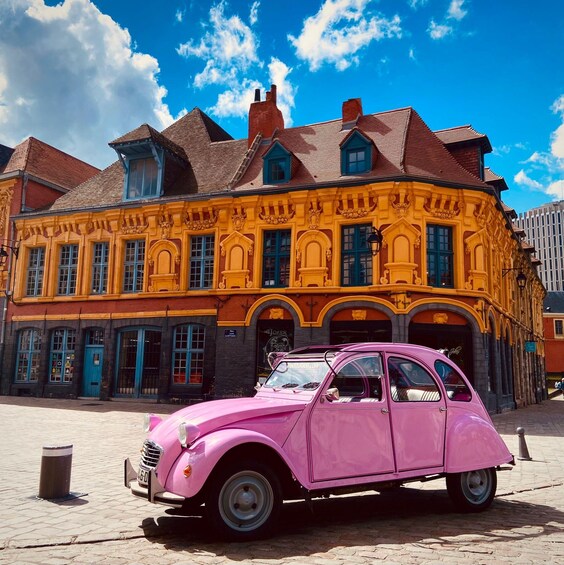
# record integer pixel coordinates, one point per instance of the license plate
(143, 477)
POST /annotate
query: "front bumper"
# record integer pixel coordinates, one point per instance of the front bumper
(153, 492)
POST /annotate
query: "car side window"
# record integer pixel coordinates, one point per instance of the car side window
(359, 380)
(410, 382)
(455, 386)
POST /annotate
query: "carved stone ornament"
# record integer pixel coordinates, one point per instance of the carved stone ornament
(358, 314)
(276, 314)
(357, 206)
(198, 221)
(5, 200)
(134, 224)
(440, 318)
(165, 223)
(313, 215)
(238, 218)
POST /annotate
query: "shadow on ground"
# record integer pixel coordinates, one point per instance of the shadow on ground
(403, 516)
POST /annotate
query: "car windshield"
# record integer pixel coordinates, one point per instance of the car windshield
(303, 375)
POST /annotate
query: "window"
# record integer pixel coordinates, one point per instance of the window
(356, 256)
(35, 268)
(276, 258)
(134, 266)
(276, 165)
(201, 261)
(100, 268)
(359, 380)
(455, 386)
(29, 349)
(142, 178)
(410, 382)
(62, 356)
(440, 271)
(188, 355)
(356, 155)
(559, 328)
(68, 262)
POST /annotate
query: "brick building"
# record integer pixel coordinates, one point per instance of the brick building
(176, 270)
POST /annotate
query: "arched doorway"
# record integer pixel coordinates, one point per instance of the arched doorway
(359, 324)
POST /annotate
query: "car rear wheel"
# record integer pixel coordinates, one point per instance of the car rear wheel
(244, 500)
(472, 491)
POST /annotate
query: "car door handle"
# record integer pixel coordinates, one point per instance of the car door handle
(443, 409)
(385, 411)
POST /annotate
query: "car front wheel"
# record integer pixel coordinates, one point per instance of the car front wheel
(472, 491)
(244, 500)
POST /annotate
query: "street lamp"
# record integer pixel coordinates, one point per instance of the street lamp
(4, 253)
(521, 278)
(374, 240)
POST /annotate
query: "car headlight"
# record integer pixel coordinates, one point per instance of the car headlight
(187, 433)
(150, 422)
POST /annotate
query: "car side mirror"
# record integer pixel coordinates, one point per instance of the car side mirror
(332, 394)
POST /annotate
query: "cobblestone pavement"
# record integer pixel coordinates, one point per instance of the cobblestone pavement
(105, 524)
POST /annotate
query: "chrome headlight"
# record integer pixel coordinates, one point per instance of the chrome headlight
(187, 433)
(150, 422)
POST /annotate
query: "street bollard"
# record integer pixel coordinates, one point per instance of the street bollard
(54, 480)
(523, 451)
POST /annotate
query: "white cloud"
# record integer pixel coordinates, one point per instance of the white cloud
(70, 77)
(286, 92)
(230, 46)
(235, 101)
(556, 189)
(438, 31)
(456, 11)
(179, 16)
(414, 4)
(339, 30)
(253, 16)
(524, 180)
(557, 138)
(412, 54)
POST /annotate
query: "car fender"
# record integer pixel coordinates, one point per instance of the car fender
(205, 453)
(473, 443)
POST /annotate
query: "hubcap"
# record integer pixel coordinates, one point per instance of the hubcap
(476, 485)
(246, 501)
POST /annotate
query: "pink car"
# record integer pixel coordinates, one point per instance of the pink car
(328, 420)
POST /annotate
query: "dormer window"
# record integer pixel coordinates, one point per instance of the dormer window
(277, 165)
(356, 155)
(142, 178)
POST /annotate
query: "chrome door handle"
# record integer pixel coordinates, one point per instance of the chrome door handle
(385, 411)
(442, 409)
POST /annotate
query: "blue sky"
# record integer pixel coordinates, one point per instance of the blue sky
(80, 73)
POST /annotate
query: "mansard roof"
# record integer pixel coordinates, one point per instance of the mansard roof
(464, 134)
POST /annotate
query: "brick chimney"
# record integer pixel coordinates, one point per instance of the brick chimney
(264, 117)
(352, 110)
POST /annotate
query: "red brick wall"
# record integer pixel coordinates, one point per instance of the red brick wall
(469, 157)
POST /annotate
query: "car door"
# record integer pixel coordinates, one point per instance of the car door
(350, 436)
(418, 415)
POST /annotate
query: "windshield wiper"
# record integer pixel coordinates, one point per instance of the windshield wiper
(289, 385)
(311, 385)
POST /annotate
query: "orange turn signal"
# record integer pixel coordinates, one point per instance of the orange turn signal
(187, 471)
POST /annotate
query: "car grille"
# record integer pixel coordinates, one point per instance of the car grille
(150, 455)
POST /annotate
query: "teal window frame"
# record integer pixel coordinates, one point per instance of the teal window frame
(201, 261)
(351, 150)
(134, 266)
(35, 271)
(188, 355)
(99, 282)
(68, 269)
(28, 356)
(62, 356)
(440, 256)
(277, 165)
(276, 258)
(356, 255)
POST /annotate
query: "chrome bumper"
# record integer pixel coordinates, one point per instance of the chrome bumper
(154, 492)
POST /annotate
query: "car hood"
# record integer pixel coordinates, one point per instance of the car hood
(215, 414)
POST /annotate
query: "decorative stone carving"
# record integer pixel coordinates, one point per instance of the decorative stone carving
(276, 314)
(358, 314)
(440, 318)
(134, 224)
(199, 220)
(357, 206)
(276, 214)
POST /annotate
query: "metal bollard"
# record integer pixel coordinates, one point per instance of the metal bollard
(54, 480)
(523, 451)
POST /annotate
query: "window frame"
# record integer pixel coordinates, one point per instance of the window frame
(136, 264)
(559, 334)
(360, 256)
(201, 268)
(353, 145)
(32, 355)
(191, 372)
(67, 272)
(436, 255)
(35, 272)
(65, 353)
(282, 158)
(279, 258)
(154, 184)
(99, 275)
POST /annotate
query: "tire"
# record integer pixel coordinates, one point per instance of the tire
(244, 500)
(472, 491)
